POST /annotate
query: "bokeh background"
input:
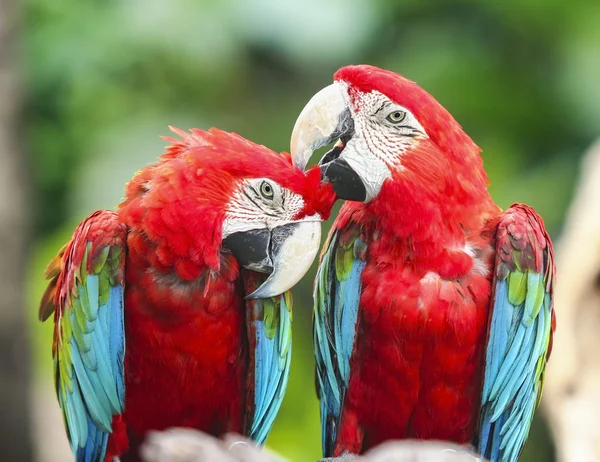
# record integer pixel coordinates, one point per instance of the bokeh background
(102, 80)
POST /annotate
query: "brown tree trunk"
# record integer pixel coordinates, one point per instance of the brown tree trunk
(15, 436)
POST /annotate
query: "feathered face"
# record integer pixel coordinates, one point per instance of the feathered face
(268, 230)
(216, 192)
(378, 117)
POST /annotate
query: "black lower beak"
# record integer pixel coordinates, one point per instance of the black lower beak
(284, 252)
(251, 249)
(346, 183)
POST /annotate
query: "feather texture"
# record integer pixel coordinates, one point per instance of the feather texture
(188, 326)
(520, 333)
(89, 340)
(270, 337)
(337, 294)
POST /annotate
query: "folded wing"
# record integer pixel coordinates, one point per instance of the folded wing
(86, 296)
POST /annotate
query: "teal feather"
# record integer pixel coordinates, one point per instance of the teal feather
(508, 364)
(92, 393)
(337, 295)
(271, 368)
(89, 356)
(105, 374)
(519, 335)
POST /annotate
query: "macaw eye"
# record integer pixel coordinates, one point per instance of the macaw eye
(266, 190)
(396, 117)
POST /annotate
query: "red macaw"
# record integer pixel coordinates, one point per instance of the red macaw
(164, 315)
(433, 308)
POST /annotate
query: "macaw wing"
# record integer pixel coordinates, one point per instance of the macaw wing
(86, 296)
(269, 329)
(337, 295)
(520, 333)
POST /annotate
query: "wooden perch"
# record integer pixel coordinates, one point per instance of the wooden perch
(572, 386)
(185, 445)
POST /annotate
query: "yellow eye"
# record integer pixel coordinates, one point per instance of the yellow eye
(266, 190)
(396, 117)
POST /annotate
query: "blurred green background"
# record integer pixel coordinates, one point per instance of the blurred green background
(104, 79)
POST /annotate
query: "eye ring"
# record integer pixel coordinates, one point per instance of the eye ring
(396, 117)
(267, 190)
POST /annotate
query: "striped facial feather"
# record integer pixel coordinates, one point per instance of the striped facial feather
(388, 129)
(258, 203)
(384, 130)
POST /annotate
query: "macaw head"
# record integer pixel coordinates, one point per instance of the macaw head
(218, 194)
(386, 127)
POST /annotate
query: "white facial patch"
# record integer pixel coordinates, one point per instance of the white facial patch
(373, 170)
(260, 203)
(383, 131)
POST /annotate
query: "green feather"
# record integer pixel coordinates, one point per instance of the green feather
(321, 293)
(65, 381)
(82, 339)
(270, 318)
(83, 301)
(83, 268)
(285, 328)
(517, 287)
(104, 284)
(99, 262)
(535, 288)
(343, 263)
(288, 301)
(66, 357)
(516, 258)
(344, 256)
(67, 331)
(285, 336)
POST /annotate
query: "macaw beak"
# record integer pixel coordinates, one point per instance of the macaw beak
(284, 252)
(326, 118)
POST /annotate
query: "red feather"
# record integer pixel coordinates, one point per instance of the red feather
(187, 358)
(418, 360)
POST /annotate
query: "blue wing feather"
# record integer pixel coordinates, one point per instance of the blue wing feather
(272, 360)
(335, 319)
(520, 330)
(89, 335)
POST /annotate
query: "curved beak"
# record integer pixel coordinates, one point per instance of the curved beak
(284, 252)
(326, 118)
(320, 123)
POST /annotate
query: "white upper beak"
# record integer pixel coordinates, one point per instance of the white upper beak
(295, 253)
(317, 123)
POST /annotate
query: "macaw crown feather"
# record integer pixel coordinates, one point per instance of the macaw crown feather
(226, 158)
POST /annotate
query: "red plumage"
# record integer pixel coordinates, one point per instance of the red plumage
(431, 234)
(187, 358)
(421, 341)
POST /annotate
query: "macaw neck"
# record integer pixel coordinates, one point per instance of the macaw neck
(436, 220)
(434, 194)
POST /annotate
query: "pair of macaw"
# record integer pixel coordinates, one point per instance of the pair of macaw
(433, 308)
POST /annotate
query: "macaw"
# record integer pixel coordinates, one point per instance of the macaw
(433, 308)
(174, 310)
